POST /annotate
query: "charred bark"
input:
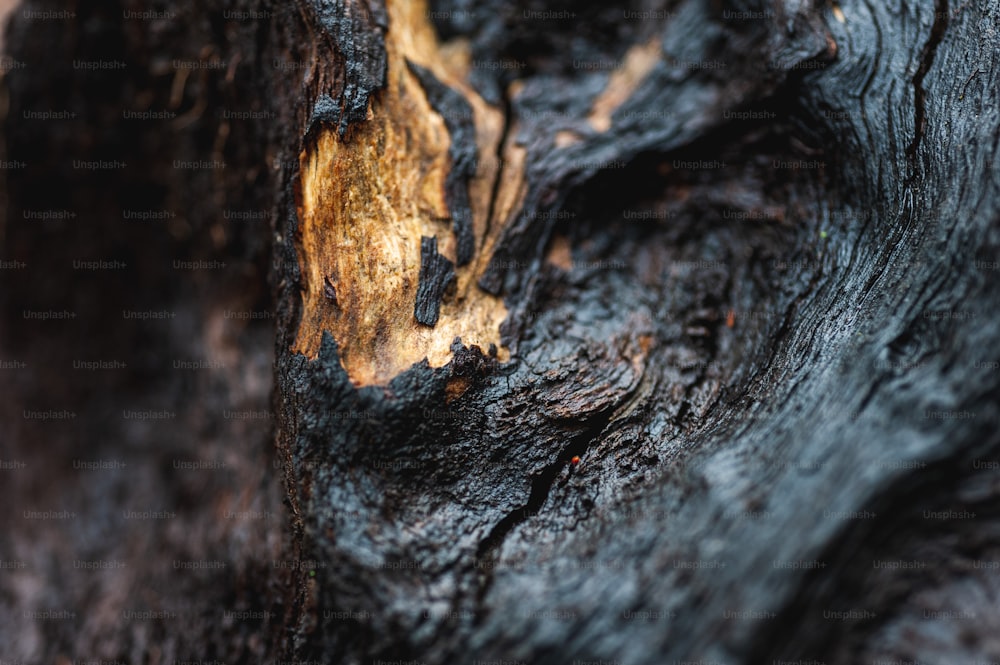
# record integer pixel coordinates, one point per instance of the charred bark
(648, 333)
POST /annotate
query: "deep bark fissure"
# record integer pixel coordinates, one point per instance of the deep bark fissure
(927, 54)
(541, 485)
(507, 111)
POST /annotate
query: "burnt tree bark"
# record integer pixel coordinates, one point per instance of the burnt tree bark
(649, 333)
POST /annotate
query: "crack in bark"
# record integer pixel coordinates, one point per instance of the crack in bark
(542, 483)
(508, 111)
(541, 486)
(876, 64)
(919, 93)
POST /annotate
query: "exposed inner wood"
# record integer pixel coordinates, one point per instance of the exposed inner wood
(560, 252)
(367, 200)
(638, 61)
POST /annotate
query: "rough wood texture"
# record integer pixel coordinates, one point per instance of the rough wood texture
(745, 287)
(737, 257)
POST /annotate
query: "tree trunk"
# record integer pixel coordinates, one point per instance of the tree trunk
(661, 332)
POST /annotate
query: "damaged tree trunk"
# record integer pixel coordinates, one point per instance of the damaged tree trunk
(649, 333)
(716, 383)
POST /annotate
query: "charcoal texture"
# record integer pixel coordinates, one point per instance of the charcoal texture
(773, 346)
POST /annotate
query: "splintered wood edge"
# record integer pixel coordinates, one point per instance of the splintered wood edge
(366, 200)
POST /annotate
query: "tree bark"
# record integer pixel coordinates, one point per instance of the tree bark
(661, 332)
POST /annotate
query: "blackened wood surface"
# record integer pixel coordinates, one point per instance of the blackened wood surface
(457, 115)
(436, 274)
(769, 349)
(760, 306)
